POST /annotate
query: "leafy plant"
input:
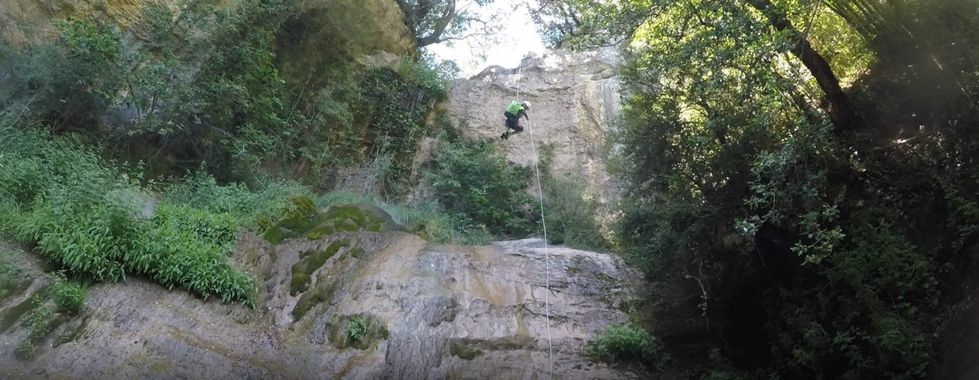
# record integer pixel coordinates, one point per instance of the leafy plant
(67, 296)
(356, 329)
(627, 343)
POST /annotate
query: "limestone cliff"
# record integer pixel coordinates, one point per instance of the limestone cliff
(346, 305)
(576, 103)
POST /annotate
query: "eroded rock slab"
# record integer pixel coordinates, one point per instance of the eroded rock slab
(385, 305)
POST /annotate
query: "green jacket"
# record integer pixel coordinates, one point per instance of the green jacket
(516, 109)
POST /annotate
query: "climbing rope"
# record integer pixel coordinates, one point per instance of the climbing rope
(547, 256)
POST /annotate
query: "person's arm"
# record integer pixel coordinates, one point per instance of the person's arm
(524, 113)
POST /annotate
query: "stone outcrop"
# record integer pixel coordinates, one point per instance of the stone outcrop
(418, 311)
(31, 21)
(576, 103)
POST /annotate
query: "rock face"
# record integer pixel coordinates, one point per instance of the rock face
(361, 27)
(576, 102)
(30, 21)
(382, 305)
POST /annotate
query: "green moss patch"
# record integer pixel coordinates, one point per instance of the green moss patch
(303, 220)
(312, 298)
(302, 216)
(464, 351)
(347, 218)
(309, 263)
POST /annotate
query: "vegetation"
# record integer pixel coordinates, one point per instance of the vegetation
(199, 86)
(627, 343)
(67, 296)
(425, 217)
(10, 275)
(481, 190)
(38, 322)
(46, 310)
(360, 331)
(805, 171)
(308, 263)
(195, 95)
(356, 329)
(464, 351)
(91, 220)
(570, 213)
(433, 22)
(806, 168)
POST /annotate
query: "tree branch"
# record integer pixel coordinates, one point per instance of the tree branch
(440, 25)
(841, 111)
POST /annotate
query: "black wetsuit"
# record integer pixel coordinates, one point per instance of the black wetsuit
(512, 121)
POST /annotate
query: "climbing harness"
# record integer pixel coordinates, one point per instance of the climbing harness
(547, 256)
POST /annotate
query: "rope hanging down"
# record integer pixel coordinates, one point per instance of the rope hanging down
(547, 256)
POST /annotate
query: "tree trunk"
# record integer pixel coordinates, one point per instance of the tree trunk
(841, 110)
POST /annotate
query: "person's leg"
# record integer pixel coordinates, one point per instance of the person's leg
(511, 123)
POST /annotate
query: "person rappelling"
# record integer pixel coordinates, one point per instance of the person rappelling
(513, 113)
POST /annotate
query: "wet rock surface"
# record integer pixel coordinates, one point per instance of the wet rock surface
(385, 305)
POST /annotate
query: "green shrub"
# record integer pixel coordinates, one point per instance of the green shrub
(396, 106)
(67, 296)
(360, 331)
(429, 221)
(627, 343)
(479, 187)
(570, 216)
(464, 351)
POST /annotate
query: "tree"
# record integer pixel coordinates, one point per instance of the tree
(435, 21)
(840, 109)
(589, 22)
(559, 18)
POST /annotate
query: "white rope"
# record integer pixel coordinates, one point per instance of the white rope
(547, 256)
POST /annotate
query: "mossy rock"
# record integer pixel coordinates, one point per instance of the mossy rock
(310, 262)
(310, 299)
(305, 221)
(463, 350)
(301, 217)
(15, 313)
